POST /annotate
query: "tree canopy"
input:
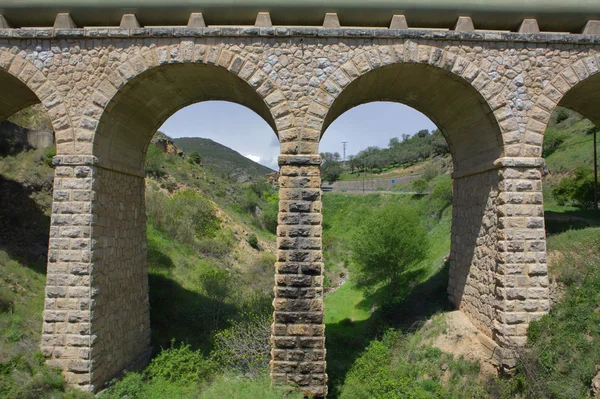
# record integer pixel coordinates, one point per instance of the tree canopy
(391, 241)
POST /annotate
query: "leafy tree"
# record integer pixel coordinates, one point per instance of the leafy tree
(331, 168)
(154, 161)
(195, 158)
(388, 243)
(578, 189)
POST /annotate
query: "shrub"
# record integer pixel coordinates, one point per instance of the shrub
(552, 141)
(269, 216)
(232, 386)
(245, 346)
(253, 241)
(430, 171)
(442, 192)
(154, 161)
(391, 241)
(195, 158)
(419, 185)
(186, 216)
(578, 189)
(181, 365)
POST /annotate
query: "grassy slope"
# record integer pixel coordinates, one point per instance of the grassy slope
(353, 316)
(221, 158)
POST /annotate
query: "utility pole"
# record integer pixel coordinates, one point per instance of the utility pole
(595, 171)
(344, 159)
(364, 172)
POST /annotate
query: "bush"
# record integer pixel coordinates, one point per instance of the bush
(419, 185)
(269, 216)
(181, 365)
(154, 161)
(232, 386)
(136, 386)
(253, 241)
(245, 346)
(430, 172)
(186, 216)
(391, 241)
(442, 192)
(195, 158)
(396, 367)
(578, 189)
(552, 140)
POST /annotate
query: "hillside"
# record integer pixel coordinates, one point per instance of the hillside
(223, 159)
(211, 276)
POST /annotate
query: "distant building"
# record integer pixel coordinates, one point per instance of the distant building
(273, 179)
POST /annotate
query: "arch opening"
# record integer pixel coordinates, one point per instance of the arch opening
(475, 141)
(148, 100)
(583, 98)
(121, 143)
(20, 96)
(456, 107)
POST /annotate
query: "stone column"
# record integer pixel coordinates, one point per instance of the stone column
(521, 272)
(298, 336)
(96, 317)
(66, 337)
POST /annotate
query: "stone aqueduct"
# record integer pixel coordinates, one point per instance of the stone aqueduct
(107, 90)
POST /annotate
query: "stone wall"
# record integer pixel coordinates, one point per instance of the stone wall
(298, 352)
(121, 313)
(66, 337)
(471, 287)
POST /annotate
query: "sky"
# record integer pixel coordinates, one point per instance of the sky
(241, 129)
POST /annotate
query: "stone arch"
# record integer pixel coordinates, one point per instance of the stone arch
(151, 86)
(470, 109)
(26, 86)
(575, 87)
(107, 180)
(381, 75)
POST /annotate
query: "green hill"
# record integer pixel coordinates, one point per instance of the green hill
(223, 159)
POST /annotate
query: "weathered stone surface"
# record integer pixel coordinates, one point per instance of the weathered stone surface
(494, 94)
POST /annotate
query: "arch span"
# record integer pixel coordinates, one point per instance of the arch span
(451, 102)
(121, 117)
(451, 97)
(146, 101)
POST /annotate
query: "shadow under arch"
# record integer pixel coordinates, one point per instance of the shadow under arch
(140, 107)
(584, 97)
(121, 308)
(17, 95)
(452, 103)
(475, 139)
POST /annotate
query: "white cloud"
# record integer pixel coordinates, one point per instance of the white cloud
(255, 158)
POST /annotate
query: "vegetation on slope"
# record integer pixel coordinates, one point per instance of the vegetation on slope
(211, 277)
(219, 158)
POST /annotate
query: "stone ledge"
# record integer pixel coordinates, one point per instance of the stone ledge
(505, 162)
(299, 160)
(75, 160)
(304, 31)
